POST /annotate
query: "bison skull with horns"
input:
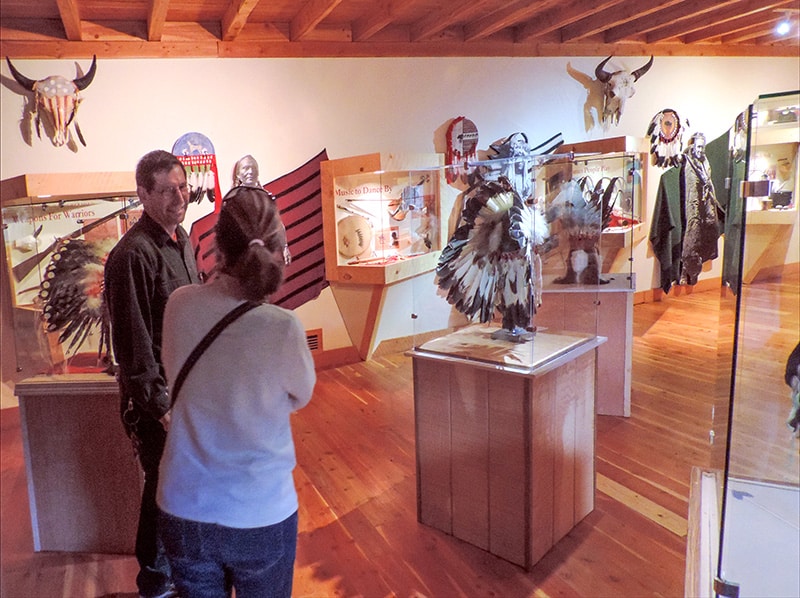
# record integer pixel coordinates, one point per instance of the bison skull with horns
(58, 98)
(618, 87)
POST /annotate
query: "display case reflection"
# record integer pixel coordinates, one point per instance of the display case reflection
(385, 217)
(774, 153)
(55, 252)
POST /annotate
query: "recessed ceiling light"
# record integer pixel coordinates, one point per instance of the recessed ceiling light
(783, 27)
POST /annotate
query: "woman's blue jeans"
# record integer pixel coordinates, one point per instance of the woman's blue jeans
(208, 560)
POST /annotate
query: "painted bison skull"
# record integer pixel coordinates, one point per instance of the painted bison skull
(618, 87)
(58, 99)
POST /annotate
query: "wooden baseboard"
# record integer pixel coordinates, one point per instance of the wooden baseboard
(335, 357)
(678, 290)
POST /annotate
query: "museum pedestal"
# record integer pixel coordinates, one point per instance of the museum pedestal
(505, 455)
(84, 482)
(606, 310)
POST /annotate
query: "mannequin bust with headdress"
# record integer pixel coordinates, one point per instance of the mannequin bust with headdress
(245, 172)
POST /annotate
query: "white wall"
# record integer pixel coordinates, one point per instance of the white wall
(284, 111)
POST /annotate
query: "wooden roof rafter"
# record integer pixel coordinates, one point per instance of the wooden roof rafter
(556, 17)
(311, 15)
(718, 20)
(505, 17)
(156, 18)
(436, 22)
(603, 20)
(71, 19)
(235, 18)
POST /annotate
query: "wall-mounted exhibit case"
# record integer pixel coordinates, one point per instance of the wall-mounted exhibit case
(382, 226)
(57, 230)
(772, 186)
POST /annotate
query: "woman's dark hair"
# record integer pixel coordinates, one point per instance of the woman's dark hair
(251, 238)
(151, 164)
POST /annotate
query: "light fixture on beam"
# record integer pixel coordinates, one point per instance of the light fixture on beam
(784, 26)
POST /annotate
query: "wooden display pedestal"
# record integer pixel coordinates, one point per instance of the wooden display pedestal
(606, 310)
(84, 482)
(505, 457)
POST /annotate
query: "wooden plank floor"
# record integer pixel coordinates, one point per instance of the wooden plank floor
(356, 479)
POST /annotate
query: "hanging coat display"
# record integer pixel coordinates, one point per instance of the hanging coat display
(700, 211)
(687, 217)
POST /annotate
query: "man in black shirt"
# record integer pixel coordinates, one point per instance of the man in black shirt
(150, 261)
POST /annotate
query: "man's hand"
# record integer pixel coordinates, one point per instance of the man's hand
(165, 420)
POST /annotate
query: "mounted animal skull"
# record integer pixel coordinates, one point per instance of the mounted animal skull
(58, 98)
(618, 87)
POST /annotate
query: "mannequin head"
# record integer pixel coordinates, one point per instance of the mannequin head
(245, 172)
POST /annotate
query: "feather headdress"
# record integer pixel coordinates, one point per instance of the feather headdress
(72, 293)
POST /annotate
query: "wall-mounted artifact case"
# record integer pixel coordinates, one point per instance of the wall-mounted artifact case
(772, 185)
(57, 231)
(381, 215)
(382, 226)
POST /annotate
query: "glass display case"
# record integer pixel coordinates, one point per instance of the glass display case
(759, 525)
(507, 349)
(383, 226)
(57, 232)
(382, 219)
(557, 268)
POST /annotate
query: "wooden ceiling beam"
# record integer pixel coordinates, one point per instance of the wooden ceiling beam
(437, 21)
(31, 47)
(503, 18)
(310, 16)
(71, 19)
(156, 17)
(714, 20)
(731, 26)
(612, 17)
(373, 22)
(560, 16)
(748, 34)
(235, 18)
(666, 17)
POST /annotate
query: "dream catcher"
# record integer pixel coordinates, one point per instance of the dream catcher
(462, 144)
(666, 134)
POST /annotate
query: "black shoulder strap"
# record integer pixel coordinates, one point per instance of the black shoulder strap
(206, 341)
